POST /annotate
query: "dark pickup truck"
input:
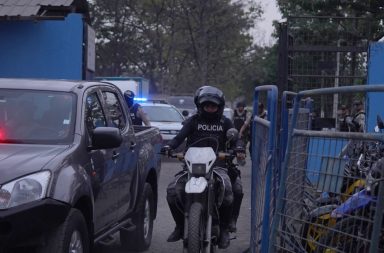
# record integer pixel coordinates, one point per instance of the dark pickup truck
(73, 170)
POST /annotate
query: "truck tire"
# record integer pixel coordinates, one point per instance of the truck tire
(140, 238)
(195, 228)
(71, 236)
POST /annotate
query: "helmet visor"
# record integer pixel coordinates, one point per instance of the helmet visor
(209, 99)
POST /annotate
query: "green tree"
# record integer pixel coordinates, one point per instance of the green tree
(372, 10)
(261, 69)
(177, 44)
(328, 42)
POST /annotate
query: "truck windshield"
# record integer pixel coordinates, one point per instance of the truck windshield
(36, 117)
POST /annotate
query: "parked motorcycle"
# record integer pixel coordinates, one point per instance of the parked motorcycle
(355, 218)
(201, 229)
(352, 220)
(355, 173)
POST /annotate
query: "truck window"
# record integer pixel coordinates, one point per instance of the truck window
(114, 109)
(94, 115)
(37, 117)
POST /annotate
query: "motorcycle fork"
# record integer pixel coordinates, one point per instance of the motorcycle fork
(209, 212)
(207, 199)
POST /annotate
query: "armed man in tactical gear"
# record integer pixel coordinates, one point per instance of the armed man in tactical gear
(208, 122)
(137, 114)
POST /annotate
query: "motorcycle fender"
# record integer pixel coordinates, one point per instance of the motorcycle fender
(355, 202)
(196, 185)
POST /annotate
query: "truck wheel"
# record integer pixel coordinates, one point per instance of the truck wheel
(70, 236)
(195, 228)
(140, 238)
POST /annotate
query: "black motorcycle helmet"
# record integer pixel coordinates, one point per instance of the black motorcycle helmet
(240, 104)
(197, 92)
(129, 96)
(210, 94)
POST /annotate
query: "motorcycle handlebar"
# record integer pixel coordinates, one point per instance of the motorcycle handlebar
(220, 155)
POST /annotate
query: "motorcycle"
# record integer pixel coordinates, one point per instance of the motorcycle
(361, 158)
(352, 220)
(355, 218)
(201, 229)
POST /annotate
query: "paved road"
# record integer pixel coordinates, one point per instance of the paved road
(164, 223)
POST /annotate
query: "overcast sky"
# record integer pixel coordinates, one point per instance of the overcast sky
(264, 29)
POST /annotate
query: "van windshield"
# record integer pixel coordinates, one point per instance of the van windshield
(36, 117)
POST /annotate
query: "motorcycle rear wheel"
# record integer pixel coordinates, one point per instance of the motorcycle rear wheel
(196, 228)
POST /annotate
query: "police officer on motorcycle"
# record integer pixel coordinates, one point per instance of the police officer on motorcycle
(137, 114)
(208, 122)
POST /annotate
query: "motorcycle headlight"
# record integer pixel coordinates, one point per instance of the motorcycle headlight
(24, 190)
(199, 169)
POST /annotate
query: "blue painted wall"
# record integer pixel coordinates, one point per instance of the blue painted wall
(375, 76)
(42, 49)
(324, 162)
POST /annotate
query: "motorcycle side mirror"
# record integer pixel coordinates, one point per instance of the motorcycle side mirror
(380, 122)
(185, 113)
(232, 134)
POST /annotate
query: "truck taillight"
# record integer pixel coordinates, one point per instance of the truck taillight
(2, 134)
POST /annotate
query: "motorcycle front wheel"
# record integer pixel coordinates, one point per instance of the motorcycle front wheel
(196, 228)
(347, 236)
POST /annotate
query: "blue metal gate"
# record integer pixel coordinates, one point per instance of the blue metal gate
(331, 189)
(264, 174)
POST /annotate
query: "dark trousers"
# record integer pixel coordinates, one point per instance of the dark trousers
(237, 188)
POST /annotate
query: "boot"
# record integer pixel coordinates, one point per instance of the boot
(178, 216)
(238, 197)
(224, 239)
(232, 225)
(176, 235)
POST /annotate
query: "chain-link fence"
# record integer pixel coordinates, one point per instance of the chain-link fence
(330, 197)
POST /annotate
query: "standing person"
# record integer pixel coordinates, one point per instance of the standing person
(262, 113)
(239, 116)
(137, 114)
(358, 116)
(208, 122)
(344, 114)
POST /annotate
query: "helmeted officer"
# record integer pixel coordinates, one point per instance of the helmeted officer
(208, 122)
(240, 115)
(358, 119)
(137, 114)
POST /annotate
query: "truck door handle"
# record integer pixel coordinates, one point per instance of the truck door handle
(133, 145)
(115, 155)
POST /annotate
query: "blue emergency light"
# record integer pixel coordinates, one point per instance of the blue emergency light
(141, 99)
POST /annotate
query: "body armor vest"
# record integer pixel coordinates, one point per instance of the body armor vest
(238, 120)
(133, 113)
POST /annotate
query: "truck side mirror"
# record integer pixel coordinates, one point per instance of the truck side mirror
(106, 137)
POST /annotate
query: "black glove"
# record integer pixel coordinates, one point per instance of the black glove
(166, 150)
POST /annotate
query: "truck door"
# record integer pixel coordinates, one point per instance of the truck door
(101, 165)
(127, 159)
